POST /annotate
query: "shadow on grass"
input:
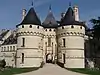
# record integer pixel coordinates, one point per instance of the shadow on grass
(85, 71)
(12, 71)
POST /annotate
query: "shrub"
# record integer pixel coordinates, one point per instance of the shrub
(2, 63)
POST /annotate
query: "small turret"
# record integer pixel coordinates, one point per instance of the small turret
(29, 40)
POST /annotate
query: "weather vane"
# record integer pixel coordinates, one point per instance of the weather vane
(32, 2)
(70, 3)
(50, 7)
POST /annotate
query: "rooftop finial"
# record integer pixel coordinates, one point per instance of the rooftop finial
(50, 7)
(70, 4)
(32, 2)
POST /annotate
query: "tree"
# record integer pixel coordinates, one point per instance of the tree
(2, 63)
(96, 39)
(96, 27)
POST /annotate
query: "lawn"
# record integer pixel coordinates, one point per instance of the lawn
(86, 71)
(12, 71)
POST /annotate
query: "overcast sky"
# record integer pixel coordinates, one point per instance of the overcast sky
(11, 10)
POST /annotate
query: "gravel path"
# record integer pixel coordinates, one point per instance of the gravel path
(51, 69)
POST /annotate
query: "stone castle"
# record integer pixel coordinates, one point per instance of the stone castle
(33, 42)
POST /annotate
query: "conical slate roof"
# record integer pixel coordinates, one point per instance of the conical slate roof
(50, 21)
(69, 18)
(31, 18)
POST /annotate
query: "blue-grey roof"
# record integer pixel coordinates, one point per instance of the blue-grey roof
(69, 18)
(10, 40)
(31, 18)
(50, 21)
(3, 34)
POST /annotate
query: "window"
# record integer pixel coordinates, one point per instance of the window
(81, 27)
(30, 26)
(23, 42)
(22, 57)
(64, 58)
(14, 48)
(2, 48)
(22, 26)
(38, 27)
(49, 41)
(52, 43)
(64, 42)
(72, 26)
(45, 43)
(50, 30)
(10, 48)
(46, 30)
(62, 27)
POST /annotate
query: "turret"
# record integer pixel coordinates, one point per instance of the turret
(29, 42)
(70, 36)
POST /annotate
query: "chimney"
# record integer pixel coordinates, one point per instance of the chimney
(76, 12)
(23, 13)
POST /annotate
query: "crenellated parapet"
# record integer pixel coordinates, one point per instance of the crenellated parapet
(49, 36)
(71, 30)
(71, 34)
(30, 33)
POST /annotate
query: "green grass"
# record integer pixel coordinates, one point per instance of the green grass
(12, 71)
(85, 71)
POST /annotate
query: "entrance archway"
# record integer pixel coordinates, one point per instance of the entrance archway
(49, 58)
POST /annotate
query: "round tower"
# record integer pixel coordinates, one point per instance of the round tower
(70, 36)
(29, 43)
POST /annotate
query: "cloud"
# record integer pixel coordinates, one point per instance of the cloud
(38, 3)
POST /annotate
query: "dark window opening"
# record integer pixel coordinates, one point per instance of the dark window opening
(81, 27)
(22, 57)
(10, 48)
(50, 30)
(72, 26)
(64, 42)
(38, 27)
(30, 26)
(64, 58)
(22, 26)
(23, 42)
(46, 30)
(62, 27)
(46, 43)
